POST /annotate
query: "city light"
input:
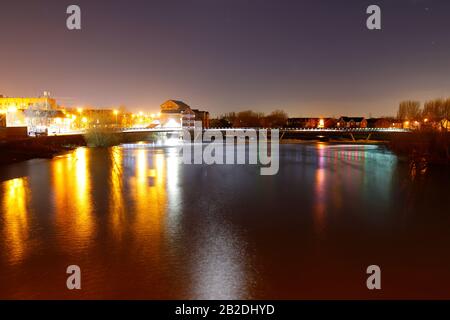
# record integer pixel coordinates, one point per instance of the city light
(321, 123)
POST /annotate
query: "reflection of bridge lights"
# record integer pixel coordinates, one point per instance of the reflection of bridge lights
(172, 123)
(171, 142)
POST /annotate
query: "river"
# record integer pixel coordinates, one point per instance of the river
(142, 225)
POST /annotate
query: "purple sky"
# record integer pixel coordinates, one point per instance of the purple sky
(310, 58)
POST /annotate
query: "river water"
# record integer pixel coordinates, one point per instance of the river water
(140, 224)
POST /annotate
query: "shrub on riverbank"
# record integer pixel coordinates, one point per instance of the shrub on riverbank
(102, 137)
(431, 146)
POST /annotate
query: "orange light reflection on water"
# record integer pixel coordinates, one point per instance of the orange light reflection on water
(72, 198)
(14, 208)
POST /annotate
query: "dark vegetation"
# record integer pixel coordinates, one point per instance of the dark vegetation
(43, 147)
(430, 146)
(15, 150)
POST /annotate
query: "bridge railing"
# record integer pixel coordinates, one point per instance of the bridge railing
(177, 129)
(321, 129)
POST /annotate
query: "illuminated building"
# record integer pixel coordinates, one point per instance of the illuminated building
(47, 121)
(43, 102)
(352, 122)
(311, 123)
(177, 114)
(37, 114)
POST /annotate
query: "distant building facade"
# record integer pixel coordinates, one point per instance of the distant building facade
(43, 102)
(384, 123)
(352, 122)
(177, 114)
(202, 116)
(99, 118)
(302, 122)
(311, 123)
(22, 112)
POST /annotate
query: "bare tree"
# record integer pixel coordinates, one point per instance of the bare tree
(249, 118)
(409, 110)
(276, 119)
(434, 110)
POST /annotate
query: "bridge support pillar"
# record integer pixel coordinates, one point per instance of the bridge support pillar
(353, 138)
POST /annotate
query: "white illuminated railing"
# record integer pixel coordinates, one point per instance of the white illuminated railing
(311, 130)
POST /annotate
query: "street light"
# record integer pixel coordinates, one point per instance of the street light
(116, 112)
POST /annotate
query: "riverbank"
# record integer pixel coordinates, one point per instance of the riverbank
(431, 147)
(16, 150)
(42, 147)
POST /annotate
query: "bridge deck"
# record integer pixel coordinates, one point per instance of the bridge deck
(282, 130)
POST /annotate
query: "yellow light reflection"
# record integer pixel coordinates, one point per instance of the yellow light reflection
(150, 198)
(72, 186)
(15, 215)
(117, 207)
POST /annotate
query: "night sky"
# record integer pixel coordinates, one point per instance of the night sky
(310, 58)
